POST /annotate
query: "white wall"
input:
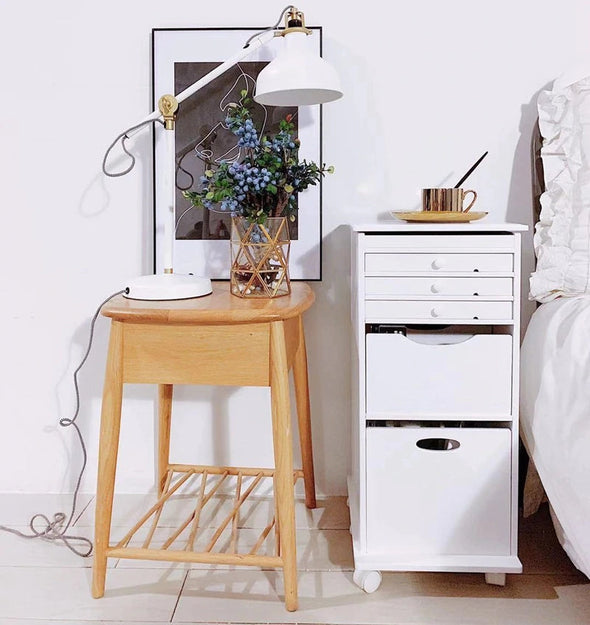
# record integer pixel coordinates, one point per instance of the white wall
(429, 86)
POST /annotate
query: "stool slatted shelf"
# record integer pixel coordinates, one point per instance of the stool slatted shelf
(209, 480)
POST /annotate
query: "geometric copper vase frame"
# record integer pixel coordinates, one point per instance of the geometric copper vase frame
(260, 258)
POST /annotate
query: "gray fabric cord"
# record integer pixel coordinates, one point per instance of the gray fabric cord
(40, 525)
(123, 137)
(273, 27)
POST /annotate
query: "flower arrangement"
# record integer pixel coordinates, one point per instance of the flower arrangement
(265, 179)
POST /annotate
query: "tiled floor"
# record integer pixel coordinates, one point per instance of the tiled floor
(42, 583)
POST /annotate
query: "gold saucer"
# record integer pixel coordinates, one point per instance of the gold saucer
(439, 216)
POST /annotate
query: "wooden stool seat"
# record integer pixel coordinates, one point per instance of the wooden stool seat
(219, 339)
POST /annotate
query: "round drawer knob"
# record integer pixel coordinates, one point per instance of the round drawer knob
(436, 287)
(438, 263)
(435, 312)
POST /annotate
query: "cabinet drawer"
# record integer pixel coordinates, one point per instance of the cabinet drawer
(432, 310)
(439, 242)
(376, 264)
(471, 379)
(453, 501)
(437, 286)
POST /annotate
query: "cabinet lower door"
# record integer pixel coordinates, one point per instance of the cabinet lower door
(438, 491)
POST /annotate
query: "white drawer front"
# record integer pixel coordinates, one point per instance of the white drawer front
(430, 242)
(437, 286)
(447, 502)
(434, 311)
(376, 264)
(467, 380)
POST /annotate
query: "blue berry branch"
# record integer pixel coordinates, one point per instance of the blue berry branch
(267, 178)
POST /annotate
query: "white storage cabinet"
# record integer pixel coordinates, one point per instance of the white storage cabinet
(434, 479)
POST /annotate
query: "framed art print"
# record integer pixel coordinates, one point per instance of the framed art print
(179, 58)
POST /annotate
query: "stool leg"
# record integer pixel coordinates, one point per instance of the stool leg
(303, 416)
(110, 424)
(283, 453)
(164, 417)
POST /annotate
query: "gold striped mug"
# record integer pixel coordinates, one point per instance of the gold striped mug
(441, 199)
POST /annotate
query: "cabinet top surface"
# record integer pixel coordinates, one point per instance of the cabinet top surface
(399, 226)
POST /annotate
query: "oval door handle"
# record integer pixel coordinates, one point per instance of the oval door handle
(436, 287)
(438, 263)
(435, 312)
(438, 444)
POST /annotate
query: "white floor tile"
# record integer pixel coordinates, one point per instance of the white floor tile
(425, 599)
(64, 594)
(18, 551)
(45, 584)
(126, 510)
(331, 513)
(18, 509)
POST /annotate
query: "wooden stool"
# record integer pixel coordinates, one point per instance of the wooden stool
(219, 340)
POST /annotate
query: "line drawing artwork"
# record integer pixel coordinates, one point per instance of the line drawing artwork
(213, 142)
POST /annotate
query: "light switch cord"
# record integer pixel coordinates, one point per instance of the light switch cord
(57, 529)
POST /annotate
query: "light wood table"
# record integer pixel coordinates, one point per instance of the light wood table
(219, 339)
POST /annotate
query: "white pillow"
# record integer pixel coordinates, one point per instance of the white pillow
(562, 235)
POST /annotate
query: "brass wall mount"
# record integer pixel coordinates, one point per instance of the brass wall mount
(168, 106)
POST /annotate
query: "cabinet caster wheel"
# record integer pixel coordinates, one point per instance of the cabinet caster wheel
(497, 579)
(369, 581)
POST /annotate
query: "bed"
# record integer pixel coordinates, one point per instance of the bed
(555, 356)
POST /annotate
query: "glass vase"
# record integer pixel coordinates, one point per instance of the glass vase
(260, 258)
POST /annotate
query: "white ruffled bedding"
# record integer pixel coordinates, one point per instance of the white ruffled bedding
(562, 235)
(555, 416)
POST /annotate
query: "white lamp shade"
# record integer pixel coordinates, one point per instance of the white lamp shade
(297, 76)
